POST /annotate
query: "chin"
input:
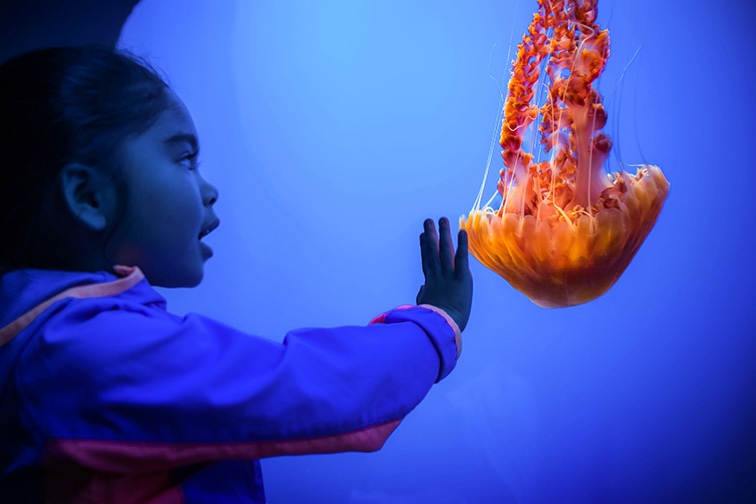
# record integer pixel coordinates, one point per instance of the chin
(193, 280)
(189, 278)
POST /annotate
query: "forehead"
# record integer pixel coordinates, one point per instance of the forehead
(176, 119)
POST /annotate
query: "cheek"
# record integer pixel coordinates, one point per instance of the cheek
(151, 224)
(166, 213)
(185, 213)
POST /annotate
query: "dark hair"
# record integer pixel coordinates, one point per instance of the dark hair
(62, 105)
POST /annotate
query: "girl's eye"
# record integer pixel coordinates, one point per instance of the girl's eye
(190, 161)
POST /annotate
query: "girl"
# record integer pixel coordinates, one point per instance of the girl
(106, 396)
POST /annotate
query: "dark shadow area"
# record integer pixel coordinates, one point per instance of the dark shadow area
(33, 24)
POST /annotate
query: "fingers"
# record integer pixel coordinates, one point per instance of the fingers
(445, 248)
(461, 262)
(438, 254)
(429, 248)
(424, 254)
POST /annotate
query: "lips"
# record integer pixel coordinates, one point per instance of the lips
(209, 229)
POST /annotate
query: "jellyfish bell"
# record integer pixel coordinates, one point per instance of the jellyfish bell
(565, 258)
(566, 229)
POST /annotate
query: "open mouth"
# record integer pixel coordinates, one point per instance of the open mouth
(209, 229)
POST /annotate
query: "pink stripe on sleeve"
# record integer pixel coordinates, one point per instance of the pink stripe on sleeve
(451, 322)
(133, 456)
(380, 319)
(147, 487)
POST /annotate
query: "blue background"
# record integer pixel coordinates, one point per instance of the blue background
(333, 128)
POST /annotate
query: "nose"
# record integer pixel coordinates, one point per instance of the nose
(209, 194)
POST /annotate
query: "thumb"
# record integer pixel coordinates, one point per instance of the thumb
(420, 294)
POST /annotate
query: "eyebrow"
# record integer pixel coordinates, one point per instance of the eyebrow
(183, 137)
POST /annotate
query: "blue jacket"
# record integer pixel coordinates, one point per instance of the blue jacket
(106, 397)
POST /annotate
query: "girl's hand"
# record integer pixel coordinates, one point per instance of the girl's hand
(448, 282)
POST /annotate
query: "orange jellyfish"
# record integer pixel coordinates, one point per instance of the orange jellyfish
(566, 229)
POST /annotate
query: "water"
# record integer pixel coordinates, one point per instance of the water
(332, 129)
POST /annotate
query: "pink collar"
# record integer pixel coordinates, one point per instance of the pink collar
(131, 275)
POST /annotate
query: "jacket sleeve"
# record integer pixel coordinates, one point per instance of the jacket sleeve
(116, 386)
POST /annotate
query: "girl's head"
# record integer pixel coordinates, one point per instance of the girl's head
(99, 167)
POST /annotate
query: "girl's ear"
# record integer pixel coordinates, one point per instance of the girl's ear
(89, 195)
